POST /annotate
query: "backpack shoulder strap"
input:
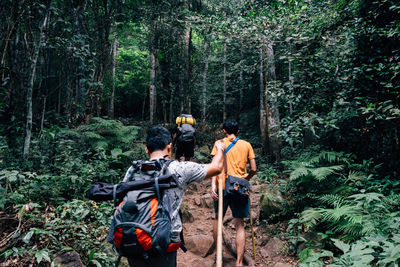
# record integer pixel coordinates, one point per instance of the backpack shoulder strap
(226, 151)
(231, 145)
(164, 170)
(165, 165)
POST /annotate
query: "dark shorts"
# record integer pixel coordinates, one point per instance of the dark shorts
(185, 149)
(239, 208)
(168, 261)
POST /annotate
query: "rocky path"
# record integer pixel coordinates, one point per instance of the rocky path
(197, 208)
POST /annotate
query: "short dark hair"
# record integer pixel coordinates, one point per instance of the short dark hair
(231, 126)
(158, 138)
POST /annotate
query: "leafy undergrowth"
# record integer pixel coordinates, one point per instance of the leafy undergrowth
(45, 210)
(340, 212)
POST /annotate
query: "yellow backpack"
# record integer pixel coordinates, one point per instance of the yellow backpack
(185, 119)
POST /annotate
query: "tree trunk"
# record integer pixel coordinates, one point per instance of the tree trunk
(43, 112)
(264, 129)
(187, 40)
(164, 105)
(152, 88)
(113, 62)
(171, 102)
(290, 85)
(30, 79)
(144, 106)
(224, 115)
(271, 103)
(104, 19)
(160, 82)
(81, 97)
(207, 50)
(181, 93)
(240, 85)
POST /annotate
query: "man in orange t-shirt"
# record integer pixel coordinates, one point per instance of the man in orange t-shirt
(236, 158)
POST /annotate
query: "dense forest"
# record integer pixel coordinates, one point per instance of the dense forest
(314, 85)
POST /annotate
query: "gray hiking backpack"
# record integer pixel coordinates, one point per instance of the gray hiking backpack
(186, 131)
(141, 226)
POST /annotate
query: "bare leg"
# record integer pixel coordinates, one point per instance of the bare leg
(240, 240)
(215, 232)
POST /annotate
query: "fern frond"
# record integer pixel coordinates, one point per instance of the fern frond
(351, 231)
(356, 176)
(393, 200)
(333, 200)
(102, 126)
(343, 190)
(92, 136)
(310, 217)
(368, 197)
(127, 134)
(299, 172)
(345, 211)
(68, 133)
(328, 157)
(322, 172)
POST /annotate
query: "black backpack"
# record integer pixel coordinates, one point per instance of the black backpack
(186, 133)
(141, 226)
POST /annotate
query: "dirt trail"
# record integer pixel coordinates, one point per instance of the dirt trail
(198, 217)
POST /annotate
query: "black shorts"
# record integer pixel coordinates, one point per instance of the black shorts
(240, 208)
(185, 149)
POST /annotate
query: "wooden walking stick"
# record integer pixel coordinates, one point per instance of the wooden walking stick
(220, 214)
(252, 233)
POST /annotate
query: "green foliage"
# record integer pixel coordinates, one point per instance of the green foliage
(266, 172)
(66, 163)
(309, 257)
(316, 173)
(104, 134)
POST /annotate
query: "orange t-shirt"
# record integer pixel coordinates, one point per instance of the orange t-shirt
(236, 158)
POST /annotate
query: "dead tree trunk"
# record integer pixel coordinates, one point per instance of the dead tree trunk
(30, 79)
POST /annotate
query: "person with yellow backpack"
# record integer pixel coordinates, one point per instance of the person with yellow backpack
(184, 137)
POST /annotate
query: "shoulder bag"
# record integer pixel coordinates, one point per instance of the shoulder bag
(235, 187)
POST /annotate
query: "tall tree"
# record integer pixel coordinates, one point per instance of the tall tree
(207, 50)
(114, 60)
(263, 107)
(187, 43)
(271, 105)
(224, 84)
(37, 42)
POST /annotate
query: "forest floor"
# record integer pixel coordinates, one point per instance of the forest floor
(198, 214)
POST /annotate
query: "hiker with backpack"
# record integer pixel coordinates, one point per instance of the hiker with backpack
(236, 187)
(146, 227)
(184, 137)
